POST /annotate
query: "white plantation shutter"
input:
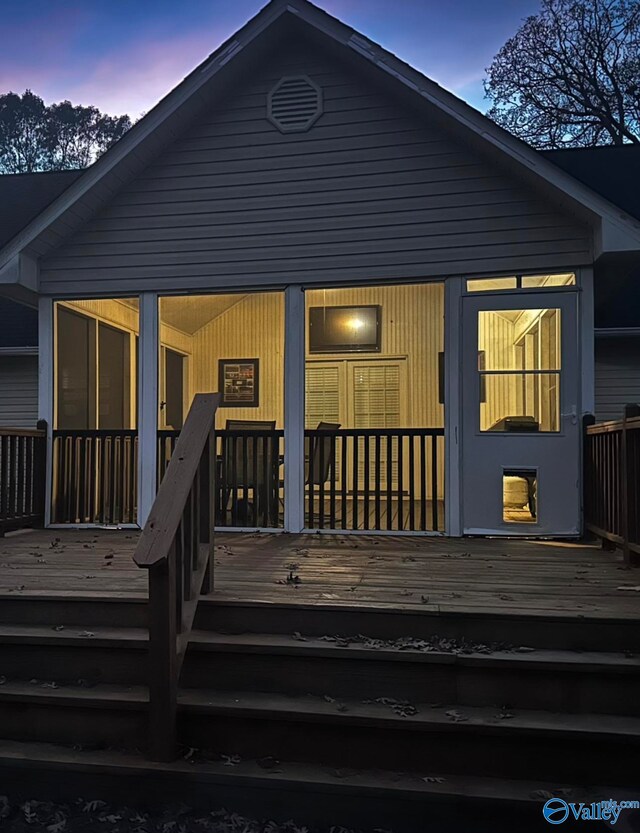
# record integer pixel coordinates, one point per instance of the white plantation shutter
(376, 396)
(322, 384)
(376, 404)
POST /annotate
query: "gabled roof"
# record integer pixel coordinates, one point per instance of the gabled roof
(615, 230)
(24, 196)
(611, 171)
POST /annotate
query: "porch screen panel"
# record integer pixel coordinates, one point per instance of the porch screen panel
(76, 374)
(114, 370)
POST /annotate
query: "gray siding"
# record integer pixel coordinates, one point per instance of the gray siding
(372, 190)
(617, 375)
(19, 391)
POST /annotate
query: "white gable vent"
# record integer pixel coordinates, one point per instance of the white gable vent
(294, 103)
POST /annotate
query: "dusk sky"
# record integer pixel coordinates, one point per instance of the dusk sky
(124, 55)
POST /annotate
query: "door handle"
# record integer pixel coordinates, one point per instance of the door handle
(573, 413)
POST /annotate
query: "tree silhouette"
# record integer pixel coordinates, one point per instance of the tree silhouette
(37, 137)
(570, 76)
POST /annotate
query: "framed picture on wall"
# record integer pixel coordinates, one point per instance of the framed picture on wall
(238, 382)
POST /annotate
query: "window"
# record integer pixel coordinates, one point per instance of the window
(519, 370)
(521, 282)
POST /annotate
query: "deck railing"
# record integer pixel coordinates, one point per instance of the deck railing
(95, 477)
(22, 477)
(249, 475)
(176, 546)
(612, 482)
(389, 479)
(378, 478)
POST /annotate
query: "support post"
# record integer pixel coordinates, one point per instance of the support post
(46, 400)
(452, 406)
(147, 404)
(294, 353)
(163, 677)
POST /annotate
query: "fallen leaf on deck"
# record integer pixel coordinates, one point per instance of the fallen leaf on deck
(456, 716)
(92, 806)
(268, 763)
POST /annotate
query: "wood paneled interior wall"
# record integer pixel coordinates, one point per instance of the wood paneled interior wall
(412, 332)
(252, 327)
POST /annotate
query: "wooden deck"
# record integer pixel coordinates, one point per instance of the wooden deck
(440, 574)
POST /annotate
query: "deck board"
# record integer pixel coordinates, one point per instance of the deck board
(483, 575)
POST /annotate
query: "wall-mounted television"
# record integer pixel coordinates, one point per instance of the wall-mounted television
(345, 329)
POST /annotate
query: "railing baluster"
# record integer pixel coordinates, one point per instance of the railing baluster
(320, 475)
(332, 483)
(412, 494)
(377, 481)
(434, 483)
(400, 481)
(356, 478)
(423, 483)
(366, 483)
(389, 481)
(344, 463)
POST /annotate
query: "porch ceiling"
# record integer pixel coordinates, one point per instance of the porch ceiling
(189, 313)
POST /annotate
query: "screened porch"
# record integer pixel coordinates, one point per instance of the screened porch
(373, 406)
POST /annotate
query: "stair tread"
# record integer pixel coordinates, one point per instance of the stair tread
(441, 716)
(299, 775)
(101, 694)
(289, 644)
(72, 634)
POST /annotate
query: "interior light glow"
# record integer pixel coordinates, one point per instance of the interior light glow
(355, 323)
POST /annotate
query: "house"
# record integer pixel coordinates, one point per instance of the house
(394, 296)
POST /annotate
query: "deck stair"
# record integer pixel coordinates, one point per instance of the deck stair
(284, 697)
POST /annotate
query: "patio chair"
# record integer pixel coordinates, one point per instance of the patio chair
(320, 459)
(250, 465)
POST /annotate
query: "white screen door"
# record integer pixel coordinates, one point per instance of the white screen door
(521, 428)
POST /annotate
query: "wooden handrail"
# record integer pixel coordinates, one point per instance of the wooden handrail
(22, 432)
(176, 546)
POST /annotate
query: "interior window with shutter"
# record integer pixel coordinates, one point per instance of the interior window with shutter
(377, 403)
(322, 383)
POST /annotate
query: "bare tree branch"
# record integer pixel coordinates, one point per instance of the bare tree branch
(570, 76)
